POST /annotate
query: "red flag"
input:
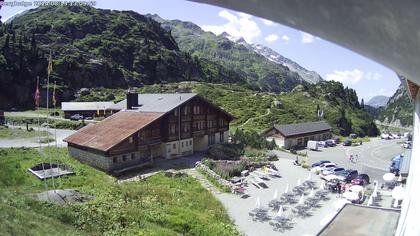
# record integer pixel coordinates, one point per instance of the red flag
(37, 94)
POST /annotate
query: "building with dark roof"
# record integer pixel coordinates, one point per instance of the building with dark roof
(150, 126)
(86, 109)
(298, 135)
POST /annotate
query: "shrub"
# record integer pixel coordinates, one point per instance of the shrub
(224, 152)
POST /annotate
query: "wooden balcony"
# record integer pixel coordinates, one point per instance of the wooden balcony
(198, 133)
(186, 135)
(151, 140)
(200, 117)
(186, 118)
(223, 129)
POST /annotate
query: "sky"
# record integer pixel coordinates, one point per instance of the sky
(331, 61)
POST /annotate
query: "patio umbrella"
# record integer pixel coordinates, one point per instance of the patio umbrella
(375, 192)
(311, 194)
(275, 194)
(351, 196)
(399, 178)
(299, 182)
(301, 199)
(356, 188)
(322, 185)
(280, 212)
(340, 203)
(310, 176)
(396, 203)
(257, 203)
(370, 201)
(398, 193)
(388, 177)
(287, 188)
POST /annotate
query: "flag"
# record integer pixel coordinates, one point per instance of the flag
(50, 65)
(54, 100)
(37, 94)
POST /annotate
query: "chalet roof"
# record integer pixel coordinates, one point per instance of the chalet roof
(112, 130)
(85, 106)
(302, 128)
(157, 102)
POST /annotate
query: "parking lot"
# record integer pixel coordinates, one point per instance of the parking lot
(374, 160)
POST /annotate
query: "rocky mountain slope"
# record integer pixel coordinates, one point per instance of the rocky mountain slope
(378, 101)
(309, 76)
(259, 72)
(399, 109)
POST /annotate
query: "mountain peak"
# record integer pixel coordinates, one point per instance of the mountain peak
(378, 101)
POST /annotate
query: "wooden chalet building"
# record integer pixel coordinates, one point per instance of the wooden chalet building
(150, 126)
(298, 135)
(86, 109)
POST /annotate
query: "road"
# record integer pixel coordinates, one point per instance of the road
(374, 156)
(33, 142)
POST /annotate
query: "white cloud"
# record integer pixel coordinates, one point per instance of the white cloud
(285, 38)
(373, 76)
(271, 38)
(238, 25)
(268, 22)
(307, 38)
(347, 77)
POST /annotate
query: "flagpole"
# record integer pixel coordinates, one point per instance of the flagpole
(37, 98)
(48, 112)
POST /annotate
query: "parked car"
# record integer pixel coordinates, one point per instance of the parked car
(348, 175)
(362, 179)
(353, 135)
(322, 144)
(347, 143)
(406, 144)
(385, 136)
(76, 117)
(319, 163)
(330, 143)
(324, 166)
(333, 171)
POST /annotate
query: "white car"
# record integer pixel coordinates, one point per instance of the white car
(385, 136)
(324, 166)
(333, 171)
(321, 143)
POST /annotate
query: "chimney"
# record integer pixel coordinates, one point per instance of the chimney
(132, 99)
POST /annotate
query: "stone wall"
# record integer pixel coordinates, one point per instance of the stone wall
(213, 174)
(92, 159)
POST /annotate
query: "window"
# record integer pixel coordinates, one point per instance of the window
(196, 110)
(186, 127)
(174, 146)
(115, 159)
(131, 139)
(211, 139)
(182, 143)
(172, 129)
(190, 142)
(176, 112)
(133, 156)
(222, 137)
(124, 157)
(186, 110)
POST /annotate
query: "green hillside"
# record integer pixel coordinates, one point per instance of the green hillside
(257, 111)
(399, 109)
(259, 72)
(158, 205)
(93, 48)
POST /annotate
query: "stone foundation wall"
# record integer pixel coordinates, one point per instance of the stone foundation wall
(92, 159)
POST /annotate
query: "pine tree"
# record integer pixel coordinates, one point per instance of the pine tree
(362, 104)
(6, 42)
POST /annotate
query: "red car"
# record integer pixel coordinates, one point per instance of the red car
(362, 179)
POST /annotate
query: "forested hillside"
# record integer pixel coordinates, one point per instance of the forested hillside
(93, 48)
(259, 72)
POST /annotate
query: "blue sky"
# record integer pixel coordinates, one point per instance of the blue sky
(332, 62)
